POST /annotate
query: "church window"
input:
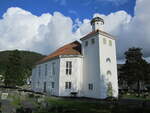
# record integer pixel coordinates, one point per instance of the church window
(68, 68)
(53, 68)
(108, 60)
(93, 41)
(104, 41)
(45, 69)
(110, 43)
(53, 84)
(86, 43)
(109, 72)
(90, 86)
(44, 87)
(39, 71)
(67, 85)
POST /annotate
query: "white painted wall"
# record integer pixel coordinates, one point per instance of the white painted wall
(60, 76)
(33, 79)
(107, 51)
(75, 78)
(95, 67)
(49, 78)
(91, 67)
(97, 25)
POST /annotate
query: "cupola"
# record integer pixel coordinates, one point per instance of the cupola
(97, 23)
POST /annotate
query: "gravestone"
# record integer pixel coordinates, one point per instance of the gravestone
(4, 96)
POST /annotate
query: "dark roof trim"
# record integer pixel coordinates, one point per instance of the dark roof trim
(93, 33)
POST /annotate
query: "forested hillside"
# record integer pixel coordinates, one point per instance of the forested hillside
(28, 59)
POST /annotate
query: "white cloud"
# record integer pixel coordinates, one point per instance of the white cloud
(57, 33)
(137, 32)
(22, 30)
(18, 28)
(129, 31)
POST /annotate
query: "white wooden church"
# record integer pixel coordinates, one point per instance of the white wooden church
(86, 69)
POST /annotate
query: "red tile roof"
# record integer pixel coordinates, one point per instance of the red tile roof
(73, 48)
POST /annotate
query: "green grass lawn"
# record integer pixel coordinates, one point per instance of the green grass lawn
(65, 105)
(133, 96)
(47, 104)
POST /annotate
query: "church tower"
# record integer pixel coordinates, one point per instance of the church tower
(97, 23)
(99, 62)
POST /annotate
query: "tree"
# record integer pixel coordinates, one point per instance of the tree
(109, 89)
(14, 75)
(136, 69)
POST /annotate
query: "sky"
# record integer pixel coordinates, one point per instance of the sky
(45, 25)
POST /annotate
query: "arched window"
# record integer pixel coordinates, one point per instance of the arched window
(108, 60)
(109, 72)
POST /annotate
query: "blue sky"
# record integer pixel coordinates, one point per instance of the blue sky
(73, 8)
(45, 25)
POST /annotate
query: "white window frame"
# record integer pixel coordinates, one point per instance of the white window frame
(68, 85)
(109, 73)
(53, 84)
(45, 69)
(90, 86)
(104, 41)
(86, 43)
(108, 60)
(68, 67)
(93, 40)
(110, 42)
(53, 68)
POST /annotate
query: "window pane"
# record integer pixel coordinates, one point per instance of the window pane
(70, 70)
(69, 85)
(45, 69)
(104, 40)
(90, 86)
(53, 68)
(108, 72)
(110, 43)
(86, 43)
(108, 60)
(70, 64)
(53, 84)
(93, 41)
(67, 71)
(67, 65)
